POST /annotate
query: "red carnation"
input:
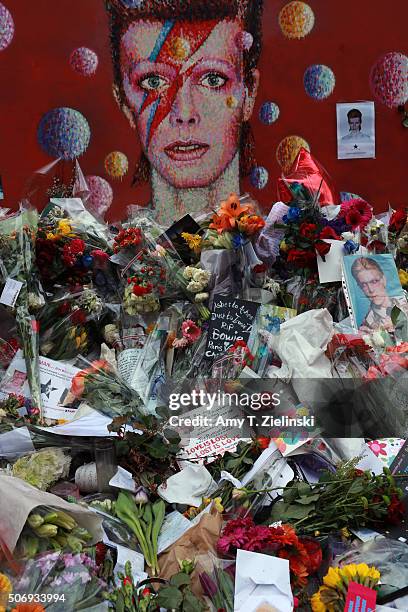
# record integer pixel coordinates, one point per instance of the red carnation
(308, 230)
(77, 246)
(322, 248)
(314, 552)
(328, 233)
(140, 290)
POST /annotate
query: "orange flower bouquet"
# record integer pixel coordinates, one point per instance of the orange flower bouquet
(100, 386)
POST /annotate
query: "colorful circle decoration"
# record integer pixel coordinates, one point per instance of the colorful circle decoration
(389, 79)
(64, 132)
(84, 61)
(116, 164)
(287, 151)
(6, 27)
(101, 194)
(269, 113)
(296, 20)
(259, 177)
(319, 81)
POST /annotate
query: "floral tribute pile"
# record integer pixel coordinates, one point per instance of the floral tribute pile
(128, 483)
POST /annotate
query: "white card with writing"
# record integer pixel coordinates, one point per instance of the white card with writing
(10, 292)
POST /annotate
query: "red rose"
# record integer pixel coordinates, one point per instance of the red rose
(300, 258)
(263, 442)
(140, 290)
(322, 248)
(259, 268)
(395, 511)
(308, 230)
(397, 221)
(77, 246)
(328, 233)
(78, 317)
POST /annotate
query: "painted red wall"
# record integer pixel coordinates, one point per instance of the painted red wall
(348, 36)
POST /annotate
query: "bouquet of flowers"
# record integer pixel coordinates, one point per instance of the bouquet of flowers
(21, 291)
(104, 390)
(67, 323)
(348, 498)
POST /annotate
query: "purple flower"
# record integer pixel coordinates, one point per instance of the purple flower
(69, 577)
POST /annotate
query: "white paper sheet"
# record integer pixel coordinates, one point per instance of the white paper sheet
(188, 486)
(262, 580)
(15, 443)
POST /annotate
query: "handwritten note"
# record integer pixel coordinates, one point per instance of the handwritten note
(231, 320)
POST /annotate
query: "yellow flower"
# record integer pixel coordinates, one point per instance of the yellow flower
(283, 247)
(5, 589)
(374, 574)
(332, 578)
(64, 227)
(83, 336)
(218, 504)
(193, 240)
(50, 236)
(345, 533)
(349, 571)
(403, 276)
(303, 411)
(316, 602)
(78, 341)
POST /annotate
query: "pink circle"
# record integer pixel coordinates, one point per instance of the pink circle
(101, 194)
(84, 61)
(389, 79)
(6, 27)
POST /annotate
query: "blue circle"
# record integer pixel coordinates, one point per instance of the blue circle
(64, 132)
(269, 113)
(319, 81)
(259, 177)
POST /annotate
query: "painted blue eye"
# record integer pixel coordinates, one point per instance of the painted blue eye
(152, 82)
(214, 80)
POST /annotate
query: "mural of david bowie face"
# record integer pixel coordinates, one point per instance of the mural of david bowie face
(184, 84)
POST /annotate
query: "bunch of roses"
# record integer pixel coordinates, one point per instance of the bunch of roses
(392, 361)
(305, 233)
(397, 221)
(190, 333)
(198, 281)
(304, 554)
(127, 238)
(89, 375)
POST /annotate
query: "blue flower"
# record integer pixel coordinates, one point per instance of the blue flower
(350, 247)
(87, 261)
(293, 215)
(238, 241)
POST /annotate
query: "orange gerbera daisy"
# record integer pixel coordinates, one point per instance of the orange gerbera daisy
(250, 224)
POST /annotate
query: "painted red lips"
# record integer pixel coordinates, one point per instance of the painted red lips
(186, 151)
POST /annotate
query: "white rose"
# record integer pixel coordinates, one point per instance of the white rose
(201, 297)
(188, 272)
(195, 287)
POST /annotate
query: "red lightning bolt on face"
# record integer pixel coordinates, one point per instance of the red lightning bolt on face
(195, 34)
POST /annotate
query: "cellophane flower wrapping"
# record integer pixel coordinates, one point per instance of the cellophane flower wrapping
(103, 389)
(42, 468)
(18, 264)
(69, 324)
(64, 581)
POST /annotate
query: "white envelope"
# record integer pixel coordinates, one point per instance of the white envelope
(261, 580)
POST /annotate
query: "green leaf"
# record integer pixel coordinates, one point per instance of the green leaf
(172, 436)
(170, 598)
(357, 486)
(191, 603)
(308, 500)
(304, 489)
(120, 603)
(157, 449)
(180, 579)
(297, 512)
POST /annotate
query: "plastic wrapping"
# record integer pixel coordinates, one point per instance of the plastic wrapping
(69, 323)
(42, 468)
(59, 582)
(101, 387)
